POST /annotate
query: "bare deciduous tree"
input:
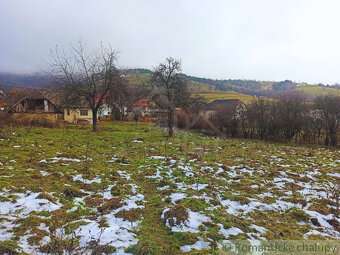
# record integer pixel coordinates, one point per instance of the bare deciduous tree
(121, 99)
(88, 76)
(329, 107)
(13, 95)
(172, 91)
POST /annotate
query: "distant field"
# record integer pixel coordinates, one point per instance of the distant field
(200, 87)
(138, 79)
(227, 95)
(317, 90)
(195, 87)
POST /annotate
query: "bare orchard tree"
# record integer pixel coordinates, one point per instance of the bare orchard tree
(329, 107)
(88, 76)
(172, 89)
(121, 99)
(12, 95)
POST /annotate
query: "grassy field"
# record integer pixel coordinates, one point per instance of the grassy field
(195, 87)
(317, 90)
(205, 90)
(130, 189)
(227, 95)
(138, 79)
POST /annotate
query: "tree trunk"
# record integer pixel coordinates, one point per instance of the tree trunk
(326, 140)
(333, 138)
(171, 122)
(94, 120)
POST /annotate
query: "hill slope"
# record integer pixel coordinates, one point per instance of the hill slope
(210, 88)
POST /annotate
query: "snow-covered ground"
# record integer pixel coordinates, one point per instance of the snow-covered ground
(224, 189)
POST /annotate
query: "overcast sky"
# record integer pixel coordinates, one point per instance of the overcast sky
(248, 39)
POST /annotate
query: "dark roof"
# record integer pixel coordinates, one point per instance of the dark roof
(57, 98)
(218, 104)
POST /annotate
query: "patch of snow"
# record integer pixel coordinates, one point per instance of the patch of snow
(284, 165)
(157, 157)
(280, 182)
(203, 196)
(315, 232)
(163, 188)
(245, 170)
(80, 178)
(177, 196)
(220, 170)
(44, 173)
(27, 203)
(187, 169)
(322, 219)
(117, 234)
(236, 208)
(334, 175)
(207, 168)
(137, 141)
(113, 159)
(157, 175)
(199, 245)
(124, 175)
(259, 229)
(198, 186)
(107, 192)
(120, 251)
(131, 203)
(6, 227)
(57, 159)
(229, 232)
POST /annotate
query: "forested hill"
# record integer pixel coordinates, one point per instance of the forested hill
(140, 76)
(33, 80)
(247, 87)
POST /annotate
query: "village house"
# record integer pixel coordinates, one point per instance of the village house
(143, 110)
(216, 105)
(105, 110)
(51, 105)
(78, 113)
(2, 98)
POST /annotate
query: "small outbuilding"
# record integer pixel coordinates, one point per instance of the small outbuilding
(217, 105)
(38, 105)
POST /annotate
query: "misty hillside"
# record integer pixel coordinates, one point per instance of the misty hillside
(34, 80)
(244, 88)
(210, 88)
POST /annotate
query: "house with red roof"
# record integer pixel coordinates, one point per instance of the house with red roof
(143, 110)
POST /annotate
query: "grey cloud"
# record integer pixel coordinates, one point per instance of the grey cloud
(262, 39)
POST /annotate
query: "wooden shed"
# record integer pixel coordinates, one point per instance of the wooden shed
(38, 101)
(39, 105)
